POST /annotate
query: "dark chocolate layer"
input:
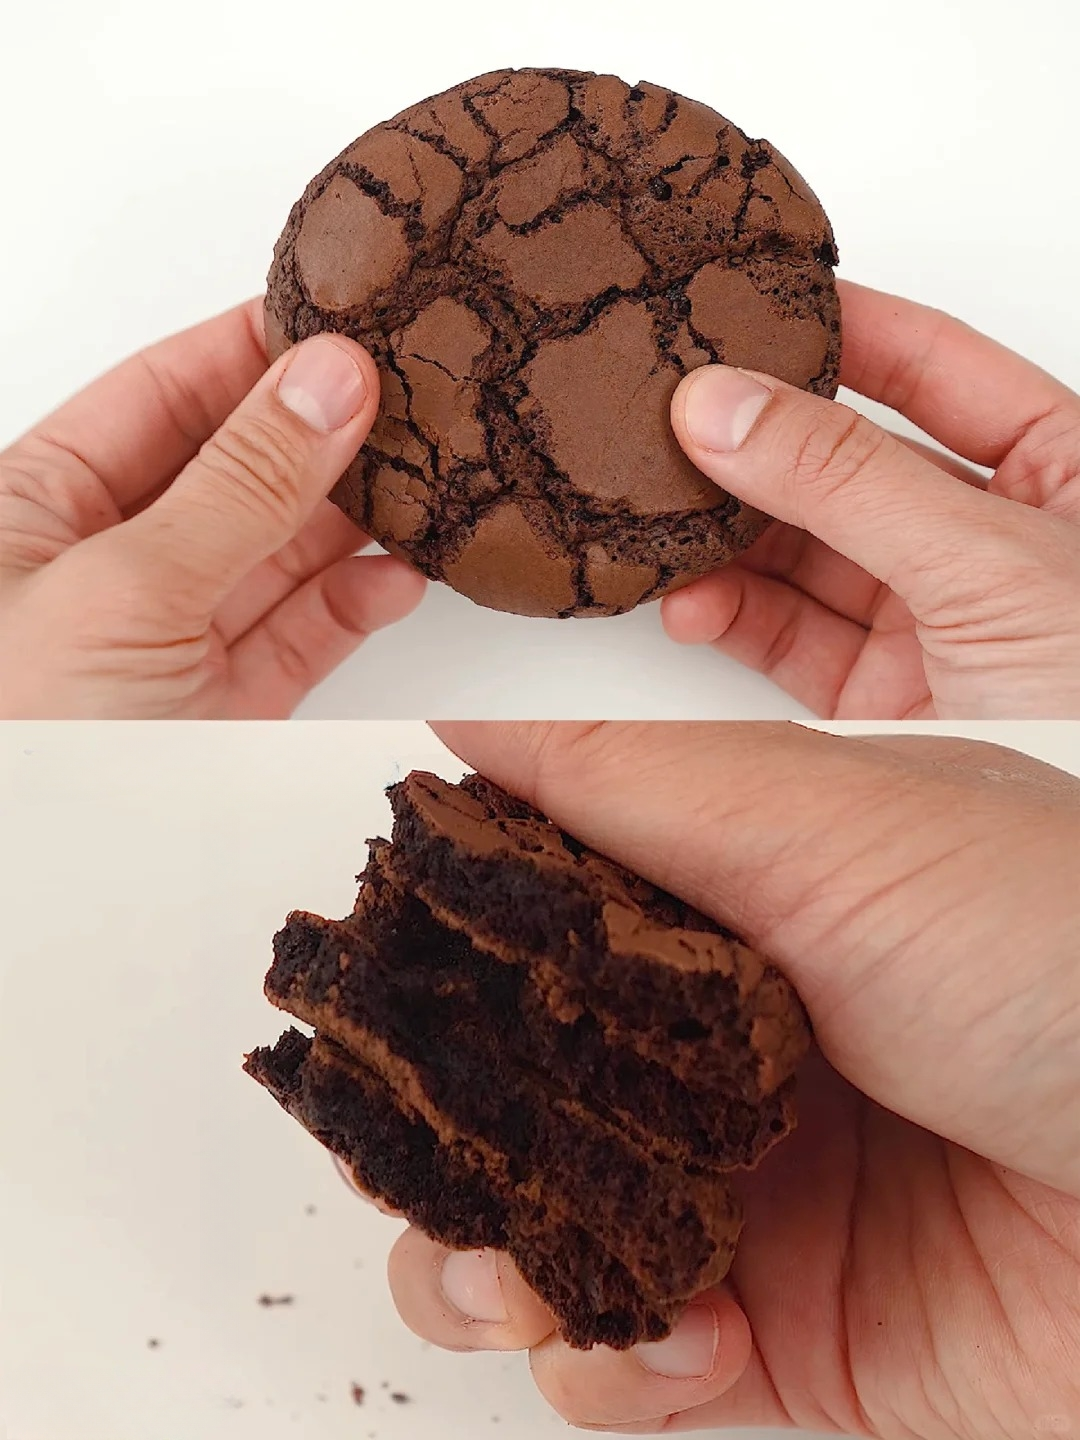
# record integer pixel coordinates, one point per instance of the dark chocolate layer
(447, 1193)
(574, 1056)
(657, 975)
(666, 1224)
(395, 971)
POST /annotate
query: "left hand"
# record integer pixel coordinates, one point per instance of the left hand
(166, 547)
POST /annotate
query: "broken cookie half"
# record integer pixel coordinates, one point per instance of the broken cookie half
(519, 1044)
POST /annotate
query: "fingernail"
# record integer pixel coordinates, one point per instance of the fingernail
(323, 385)
(357, 1189)
(721, 406)
(689, 1352)
(470, 1281)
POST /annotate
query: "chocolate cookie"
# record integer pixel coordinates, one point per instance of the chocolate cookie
(535, 258)
(520, 1044)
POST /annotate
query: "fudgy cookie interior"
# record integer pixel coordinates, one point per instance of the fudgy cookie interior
(519, 1044)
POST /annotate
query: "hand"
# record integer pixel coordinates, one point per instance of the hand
(166, 547)
(899, 582)
(911, 1260)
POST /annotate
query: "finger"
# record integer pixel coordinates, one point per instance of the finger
(949, 463)
(298, 644)
(357, 1189)
(135, 427)
(751, 1401)
(973, 395)
(258, 479)
(703, 1357)
(464, 1299)
(327, 537)
(786, 553)
(817, 465)
(807, 649)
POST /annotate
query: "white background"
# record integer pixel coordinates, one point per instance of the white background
(147, 1187)
(150, 155)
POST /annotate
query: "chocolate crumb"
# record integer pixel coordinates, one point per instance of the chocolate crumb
(357, 1394)
(267, 1300)
(400, 1398)
(153, 1344)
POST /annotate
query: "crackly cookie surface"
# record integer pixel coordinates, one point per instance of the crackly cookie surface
(535, 258)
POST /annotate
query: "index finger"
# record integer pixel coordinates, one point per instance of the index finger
(140, 423)
(973, 395)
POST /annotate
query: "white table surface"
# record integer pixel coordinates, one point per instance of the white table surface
(150, 155)
(150, 1190)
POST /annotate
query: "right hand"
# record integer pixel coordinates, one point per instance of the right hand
(899, 583)
(911, 1260)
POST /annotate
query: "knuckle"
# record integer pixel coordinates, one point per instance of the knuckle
(781, 643)
(905, 372)
(549, 749)
(563, 1395)
(836, 449)
(259, 460)
(1016, 570)
(297, 560)
(123, 577)
(1043, 467)
(50, 499)
(182, 402)
(335, 618)
(290, 658)
(578, 755)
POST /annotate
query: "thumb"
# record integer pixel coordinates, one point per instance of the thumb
(255, 482)
(820, 466)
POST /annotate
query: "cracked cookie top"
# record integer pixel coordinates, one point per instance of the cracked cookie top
(535, 258)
